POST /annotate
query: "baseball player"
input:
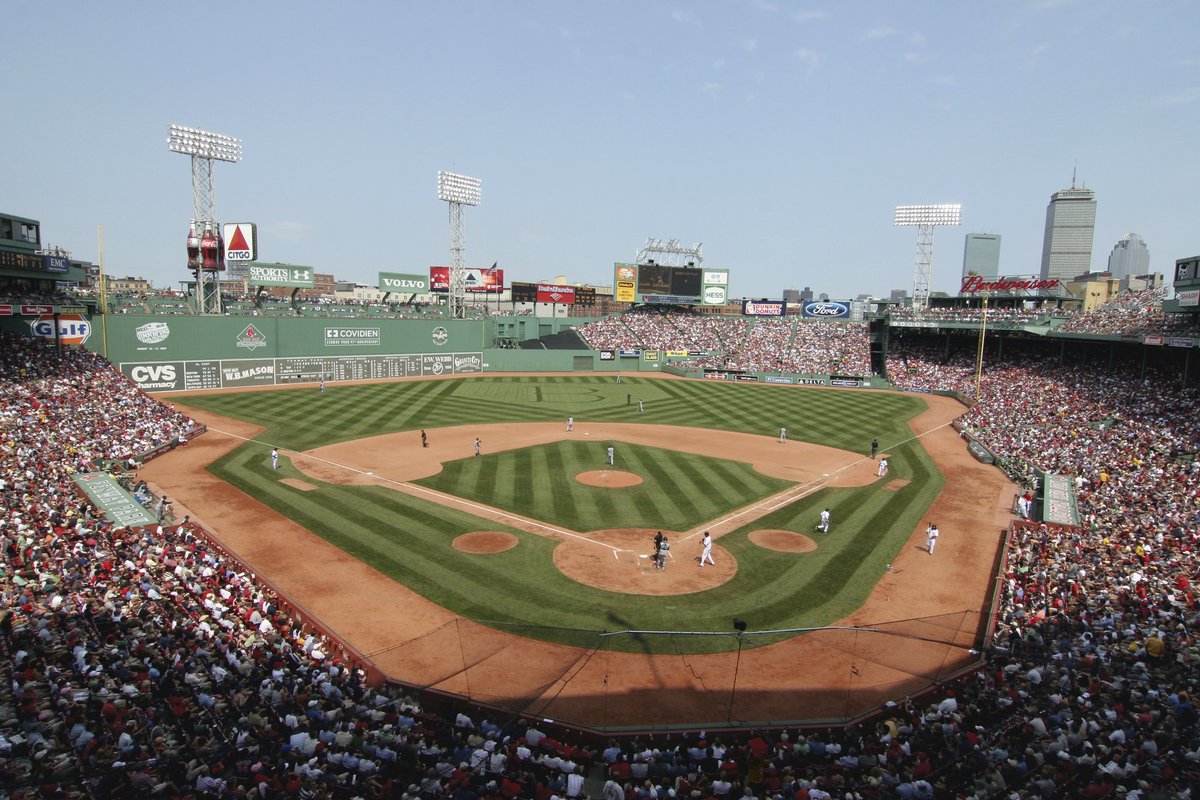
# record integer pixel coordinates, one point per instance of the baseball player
(477, 445)
(823, 525)
(662, 546)
(706, 553)
(641, 407)
(883, 467)
(874, 448)
(570, 424)
(610, 456)
(275, 458)
(783, 435)
(322, 384)
(931, 537)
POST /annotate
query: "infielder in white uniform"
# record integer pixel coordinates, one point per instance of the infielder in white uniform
(783, 435)
(931, 537)
(570, 424)
(706, 554)
(883, 467)
(823, 525)
(275, 458)
(610, 456)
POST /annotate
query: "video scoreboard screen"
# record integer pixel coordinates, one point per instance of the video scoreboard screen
(660, 283)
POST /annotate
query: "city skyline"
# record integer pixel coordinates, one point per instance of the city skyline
(781, 135)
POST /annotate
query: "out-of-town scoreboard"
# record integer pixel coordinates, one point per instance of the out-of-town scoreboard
(661, 283)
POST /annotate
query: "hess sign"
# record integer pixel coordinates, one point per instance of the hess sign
(241, 241)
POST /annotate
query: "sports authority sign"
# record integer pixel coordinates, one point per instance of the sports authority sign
(241, 241)
(281, 275)
(403, 282)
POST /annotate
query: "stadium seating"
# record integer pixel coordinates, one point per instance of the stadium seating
(152, 663)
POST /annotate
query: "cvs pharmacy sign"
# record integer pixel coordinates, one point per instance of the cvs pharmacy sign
(155, 377)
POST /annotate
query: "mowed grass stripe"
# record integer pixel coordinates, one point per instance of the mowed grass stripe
(680, 490)
(412, 538)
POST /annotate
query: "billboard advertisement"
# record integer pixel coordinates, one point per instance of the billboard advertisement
(552, 293)
(475, 279)
(764, 308)
(663, 283)
(281, 275)
(825, 309)
(403, 282)
(241, 241)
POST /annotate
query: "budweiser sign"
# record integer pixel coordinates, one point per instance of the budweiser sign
(973, 284)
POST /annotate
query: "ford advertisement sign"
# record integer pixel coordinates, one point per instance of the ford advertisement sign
(828, 309)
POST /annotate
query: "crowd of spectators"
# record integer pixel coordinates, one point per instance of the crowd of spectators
(151, 662)
(649, 328)
(764, 344)
(1128, 313)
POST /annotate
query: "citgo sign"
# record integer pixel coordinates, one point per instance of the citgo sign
(72, 328)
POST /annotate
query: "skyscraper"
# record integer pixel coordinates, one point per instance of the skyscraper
(1070, 226)
(981, 255)
(1130, 256)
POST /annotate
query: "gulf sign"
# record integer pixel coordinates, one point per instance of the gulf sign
(551, 293)
(764, 308)
(826, 309)
(71, 328)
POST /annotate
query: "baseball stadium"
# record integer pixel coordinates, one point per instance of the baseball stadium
(447, 583)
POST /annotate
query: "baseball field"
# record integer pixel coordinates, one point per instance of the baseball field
(514, 576)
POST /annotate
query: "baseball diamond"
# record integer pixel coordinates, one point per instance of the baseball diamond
(371, 551)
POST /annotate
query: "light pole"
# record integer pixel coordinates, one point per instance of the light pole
(204, 235)
(740, 626)
(458, 191)
(979, 355)
(925, 218)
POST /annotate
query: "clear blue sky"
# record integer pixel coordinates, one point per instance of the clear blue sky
(779, 134)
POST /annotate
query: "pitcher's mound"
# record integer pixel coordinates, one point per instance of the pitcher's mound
(483, 542)
(783, 541)
(611, 478)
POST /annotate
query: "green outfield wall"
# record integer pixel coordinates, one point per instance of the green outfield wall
(173, 353)
(163, 353)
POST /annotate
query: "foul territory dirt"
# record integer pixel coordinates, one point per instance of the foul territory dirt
(818, 676)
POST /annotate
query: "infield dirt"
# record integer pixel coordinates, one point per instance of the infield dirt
(823, 676)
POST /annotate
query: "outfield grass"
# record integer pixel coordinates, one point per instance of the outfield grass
(520, 589)
(678, 491)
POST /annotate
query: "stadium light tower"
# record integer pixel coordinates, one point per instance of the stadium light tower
(204, 243)
(925, 218)
(458, 191)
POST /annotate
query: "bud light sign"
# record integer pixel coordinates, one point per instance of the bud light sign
(827, 309)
